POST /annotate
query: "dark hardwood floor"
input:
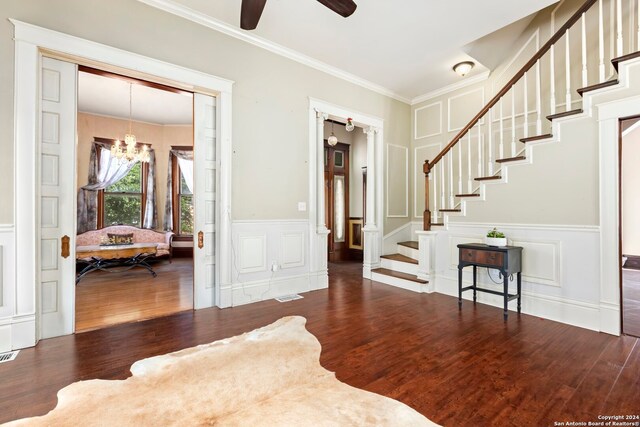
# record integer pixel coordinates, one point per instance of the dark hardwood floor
(466, 368)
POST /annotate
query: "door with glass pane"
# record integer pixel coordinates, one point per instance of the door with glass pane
(336, 175)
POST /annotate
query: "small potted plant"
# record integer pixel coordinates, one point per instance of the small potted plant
(496, 238)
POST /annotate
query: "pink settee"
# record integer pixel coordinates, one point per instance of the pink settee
(140, 235)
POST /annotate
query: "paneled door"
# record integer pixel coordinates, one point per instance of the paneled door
(336, 180)
(56, 197)
(205, 174)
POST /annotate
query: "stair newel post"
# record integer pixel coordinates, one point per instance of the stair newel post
(427, 213)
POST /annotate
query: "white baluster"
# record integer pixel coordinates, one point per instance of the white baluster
(451, 199)
(538, 99)
(501, 148)
(568, 69)
(480, 150)
(526, 106)
(601, 68)
(552, 82)
(469, 178)
(638, 25)
(631, 32)
(619, 39)
(435, 195)
(513, 121)
(490, 151)
(442, 184)
(584, 51)
(460, 167)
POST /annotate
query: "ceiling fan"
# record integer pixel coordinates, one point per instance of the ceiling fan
(252, 10)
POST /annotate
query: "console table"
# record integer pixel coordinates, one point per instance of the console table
(106, 257)
(507, 259)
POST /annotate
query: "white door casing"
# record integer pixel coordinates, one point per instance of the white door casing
(29, 42)
(205, 174)
(56, 204)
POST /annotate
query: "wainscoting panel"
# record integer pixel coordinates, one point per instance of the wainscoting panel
(271, 260)
(252, 253)
(561, 264)
(7, 285)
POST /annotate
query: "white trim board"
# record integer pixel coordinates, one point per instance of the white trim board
(30, 40)
(415, 121)
(450, 88)
(232, 31)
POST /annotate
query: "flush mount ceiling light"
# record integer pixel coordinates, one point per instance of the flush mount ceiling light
(463, 68)
(332, 140)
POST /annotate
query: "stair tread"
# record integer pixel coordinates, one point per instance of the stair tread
(511, 159)
(437, 224)
(536, 138)
(410, 244)
(488, 178)
(618, 60)
(398, 275)
(400, 257)
(468, 195)
(450, 210)
(564, 114)
(608, 83)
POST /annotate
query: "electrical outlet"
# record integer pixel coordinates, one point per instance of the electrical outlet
(302, 206)
(274, 266)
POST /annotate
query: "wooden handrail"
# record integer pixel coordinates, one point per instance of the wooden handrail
(543, 50)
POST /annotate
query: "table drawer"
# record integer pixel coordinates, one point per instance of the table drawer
(482, 257)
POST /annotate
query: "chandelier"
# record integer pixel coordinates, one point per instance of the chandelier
(130, 151)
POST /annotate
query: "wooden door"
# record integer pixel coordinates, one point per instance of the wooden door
(205, 172)
(336, 178)
(56, 198)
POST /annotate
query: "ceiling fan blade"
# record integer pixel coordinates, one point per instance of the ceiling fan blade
(250, 14)
(341, 7)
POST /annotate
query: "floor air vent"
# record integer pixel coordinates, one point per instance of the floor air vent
(8, 357)
(287, 298)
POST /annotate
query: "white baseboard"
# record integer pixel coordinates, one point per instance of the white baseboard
(17, 332)
(567, 311)
(262, 290)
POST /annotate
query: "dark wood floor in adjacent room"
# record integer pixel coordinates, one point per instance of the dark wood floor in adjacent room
(465, 368)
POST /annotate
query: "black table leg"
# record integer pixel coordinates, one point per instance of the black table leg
(519, 290)
(506, 294)
(459, 287)
(475, 275)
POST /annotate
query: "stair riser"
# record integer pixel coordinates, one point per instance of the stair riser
(410, 252)
(397, 282)
(403, 267)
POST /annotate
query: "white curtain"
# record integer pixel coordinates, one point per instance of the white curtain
(186, 168)
(110, 171)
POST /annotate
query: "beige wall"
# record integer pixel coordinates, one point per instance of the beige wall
(631, 193)
(160, 137)
(270, 95)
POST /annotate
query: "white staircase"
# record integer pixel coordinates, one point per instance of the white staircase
(401, 269)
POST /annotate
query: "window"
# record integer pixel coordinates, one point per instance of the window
(182, 194)
(124, 202)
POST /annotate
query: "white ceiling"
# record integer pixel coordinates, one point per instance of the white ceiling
(110, 97)
(407, 47)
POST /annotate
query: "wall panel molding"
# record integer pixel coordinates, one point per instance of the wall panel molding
(474, 109)
(416, 120)
(397, 178)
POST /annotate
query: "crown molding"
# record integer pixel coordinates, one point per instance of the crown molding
(450, 88)
(230, 30)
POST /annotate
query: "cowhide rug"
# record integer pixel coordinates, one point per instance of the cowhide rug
(267, 377)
